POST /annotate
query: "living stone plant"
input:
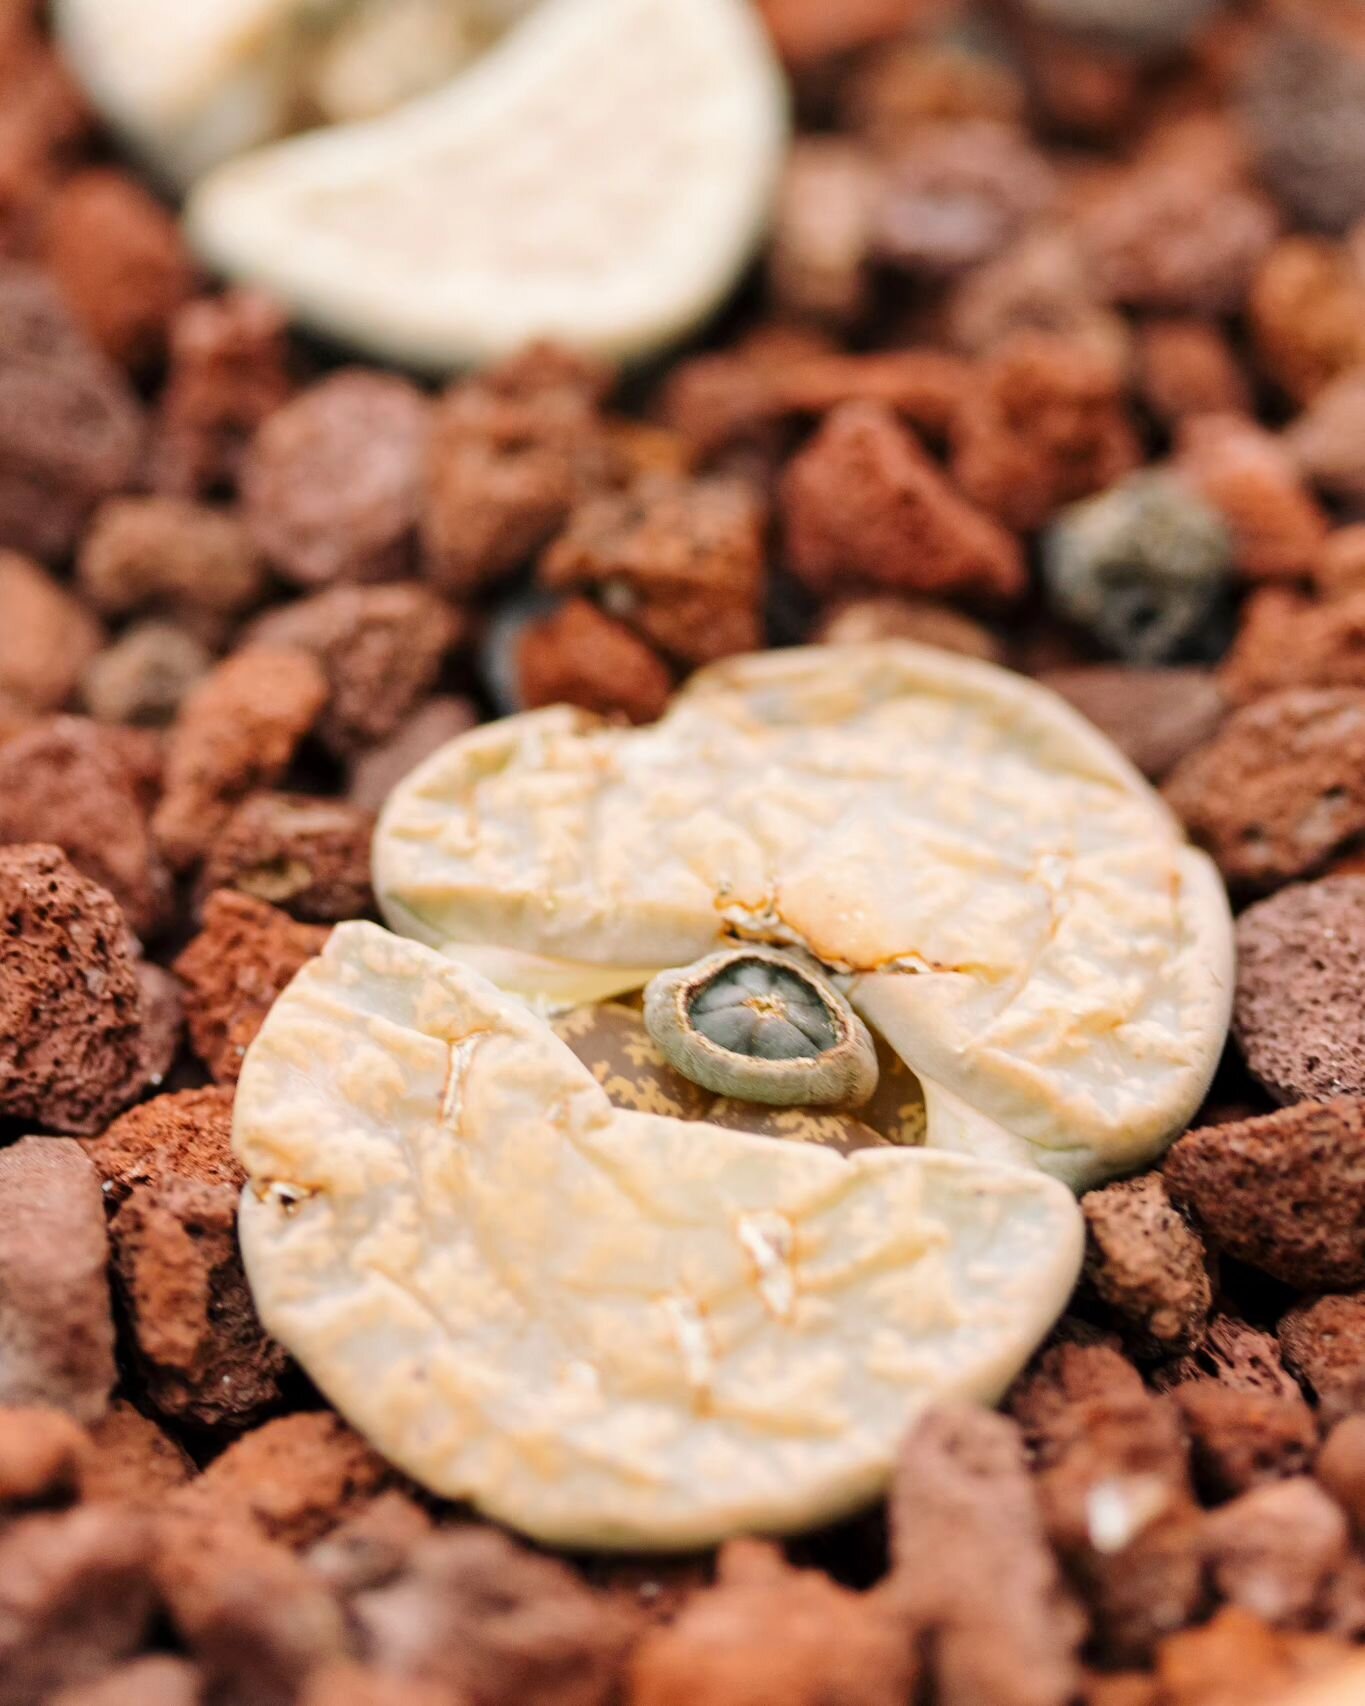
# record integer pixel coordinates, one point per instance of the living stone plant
(524, 1233)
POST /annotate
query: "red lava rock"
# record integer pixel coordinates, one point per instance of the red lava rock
(371, 1547)
(863, 503)
(819, 262)
(1340, 1468)
(807, 32)
(131, 1461)
(381, 649)
(579, 656)
(1242, 1440)
(332, 482)
(145, 676)
(767, 1632)
(67, 783)
(296, 1477)
(1155, 716)
(1277, 791)
(1325, 440)
(347, 1684)
(897, 89)
(254, 1617)
(1249, 477)
(1181, 239)
(229, 371)
(1323, 1340)
(70, 1002)
(236, 732)
(1340, 566)
(495, 1622)
(71, 431)
(203, 1354)
(1235, 1355)
(856, 621)
(1042, 425)
(1236, 1659)
(1273, 1549)
(1042, 283)
(679, 561)
(1079, 1364)
(1301, 102)
(957, 194)
(512, 451)
(187, 1133)
(1282, 1191)
(188, 559)
(1297, 1014)
(378, 770)
(46, 640)
(309, 856)
(156, 1681)
(233, 970)
(1307, 314)
(42, 1458)
(120, 261)
(1186, 368)
(964, 1511)
(1285, 641)
(76, 1597)
(742, 398)
(1147, 1264)
(1119, 1509)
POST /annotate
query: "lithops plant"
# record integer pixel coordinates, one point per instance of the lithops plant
(1000, 897)
(608, 1328)
(599, 174)
(517, 1239)
(761, 1025)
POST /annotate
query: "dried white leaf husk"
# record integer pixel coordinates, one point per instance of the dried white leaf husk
(608, 1328)
(1010, 905)
(600, 177)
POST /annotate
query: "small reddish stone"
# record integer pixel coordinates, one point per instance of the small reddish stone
(1278, 528)
(1281, 1191)
(236, 732)
(229, 371)
(1187, 368)
(864, 503)
(767, 1632)
(1042, 424)
(381, 649)
(47, 638)
(66, 782)
(233, 971)
(332, 482)
(192, 560)
(1244, 1439)
(1155, 716)
(1147, 1264)
(1323, 1339)
(120, 261)
(295, 1477)
(1307, 314)
(679, 561)
(579, 656)
(56, 1332)
(71, 1005)
(309, 856)
(1280, 789)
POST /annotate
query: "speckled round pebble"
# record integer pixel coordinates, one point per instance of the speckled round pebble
(1299, 1012)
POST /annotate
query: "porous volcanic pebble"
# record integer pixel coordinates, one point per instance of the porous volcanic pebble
(1299, 1012)
(1154, 716)
(1282, 1191)
(1280, 788)
(56, 1331)
(71, 1054)
(1146, 1263)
